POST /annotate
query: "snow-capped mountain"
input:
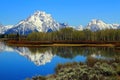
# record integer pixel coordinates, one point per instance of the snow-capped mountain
(96, 25)
(118, 26)
(80, 28)
(38, 22)
(43, 22)
(3, 29)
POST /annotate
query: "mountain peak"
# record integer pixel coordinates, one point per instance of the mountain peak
(39, 13)
(97, 24)
(39, 16)
(38, 22)
(96, 21)
(80, 28)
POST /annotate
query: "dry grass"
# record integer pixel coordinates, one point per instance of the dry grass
(62, 43)
(81, 45)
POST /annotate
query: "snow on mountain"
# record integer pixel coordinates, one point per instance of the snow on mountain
(96, 25)
(37, 58)
(8, 26)
(3, 29)
(117, 25)
(38, 22)
(43, 22)
(80, 28)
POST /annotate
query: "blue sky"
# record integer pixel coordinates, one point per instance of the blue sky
(73, 12)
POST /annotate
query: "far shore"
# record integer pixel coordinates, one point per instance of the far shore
(63, 43)
(81, 45)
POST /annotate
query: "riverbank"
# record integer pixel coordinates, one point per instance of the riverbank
(92, 69)
(63, 43)
(81, 45)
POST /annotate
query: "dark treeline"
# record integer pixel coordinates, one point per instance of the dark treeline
(75, 35)
(13, 36)
(69, 34)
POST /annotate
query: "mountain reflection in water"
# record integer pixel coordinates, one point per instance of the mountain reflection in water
(43, 55)
(43, 60)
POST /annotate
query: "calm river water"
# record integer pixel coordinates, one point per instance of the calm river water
(18, 63)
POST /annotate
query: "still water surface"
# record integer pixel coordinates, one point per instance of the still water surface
(18, 63)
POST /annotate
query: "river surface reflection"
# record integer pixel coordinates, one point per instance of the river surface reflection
(18, 63)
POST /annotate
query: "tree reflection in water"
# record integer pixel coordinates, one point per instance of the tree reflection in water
(71, 52)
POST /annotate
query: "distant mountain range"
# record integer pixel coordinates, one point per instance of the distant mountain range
(96, 25)
(38, 22)
(43, 22)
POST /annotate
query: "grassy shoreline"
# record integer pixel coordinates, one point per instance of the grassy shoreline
(63, 43)
(81, 45)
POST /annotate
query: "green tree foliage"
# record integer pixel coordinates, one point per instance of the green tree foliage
(73, 35)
